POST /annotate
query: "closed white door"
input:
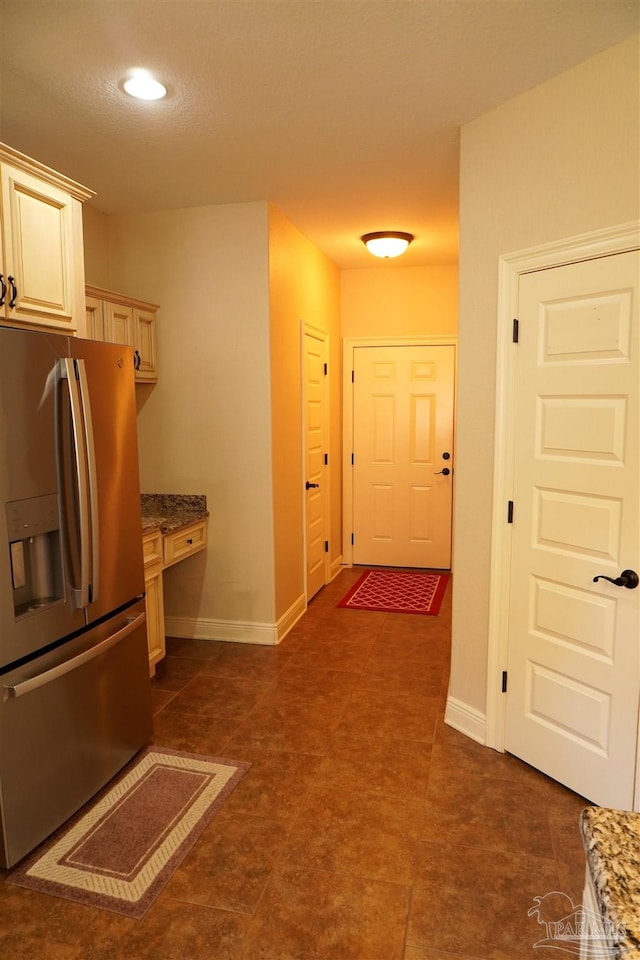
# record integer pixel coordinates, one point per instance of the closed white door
(403, 455)
(573, 680)
(315, 455)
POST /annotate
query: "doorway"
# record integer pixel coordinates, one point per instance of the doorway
(398, 464)
(316, 459)
(567, 461)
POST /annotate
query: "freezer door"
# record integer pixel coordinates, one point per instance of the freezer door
(106, 391)
(69, 721)
(36, 604)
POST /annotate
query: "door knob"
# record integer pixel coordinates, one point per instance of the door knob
(628, 579)
(445, 471)
(308, 485)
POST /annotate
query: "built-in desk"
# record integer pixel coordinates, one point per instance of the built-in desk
(173, 528)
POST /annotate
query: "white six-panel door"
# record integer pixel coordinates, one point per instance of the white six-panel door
(573, 659)
(403, 455)
(315, 450)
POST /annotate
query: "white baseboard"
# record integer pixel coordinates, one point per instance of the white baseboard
(335, 568)
(466, 719)
(235, 631)
(291, 617)
(232, 630)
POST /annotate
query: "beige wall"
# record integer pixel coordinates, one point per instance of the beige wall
(395, 301)
(304, 287)
(560, 160)
(95, 226)
(205, 427)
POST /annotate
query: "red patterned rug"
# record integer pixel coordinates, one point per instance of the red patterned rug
(393, 591)
(120, 852)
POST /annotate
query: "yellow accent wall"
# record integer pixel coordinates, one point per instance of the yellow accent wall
(395, 301)
(557, 161)
(304, 287)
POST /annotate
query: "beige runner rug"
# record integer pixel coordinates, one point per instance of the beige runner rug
(121, 851)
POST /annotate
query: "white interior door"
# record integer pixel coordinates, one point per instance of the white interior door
(402, 455)
(573, 681)
(315, 455)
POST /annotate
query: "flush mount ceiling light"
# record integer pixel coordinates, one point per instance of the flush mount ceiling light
(141, 85)
(387, 243)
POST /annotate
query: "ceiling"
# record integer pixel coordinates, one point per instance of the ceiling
(344, 113)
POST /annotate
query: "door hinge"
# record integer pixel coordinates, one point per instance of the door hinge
(510, 511)
(352, 539)
(326, 546)
(353, 459)
(504, 681)
(326, 459)
(325, 369)
(353, 376)
(516, 330)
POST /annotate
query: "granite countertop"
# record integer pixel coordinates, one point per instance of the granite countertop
(168, 512)
(612, 843)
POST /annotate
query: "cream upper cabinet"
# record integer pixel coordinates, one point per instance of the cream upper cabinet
(41, 252)
(120, 319)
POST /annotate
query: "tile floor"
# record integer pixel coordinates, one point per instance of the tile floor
(365, 828)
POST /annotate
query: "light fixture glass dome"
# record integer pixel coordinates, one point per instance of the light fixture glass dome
(387, 243)
(143, 86)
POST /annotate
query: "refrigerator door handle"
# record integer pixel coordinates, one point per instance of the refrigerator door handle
(34, 683)
(92, 478)
(74, 372)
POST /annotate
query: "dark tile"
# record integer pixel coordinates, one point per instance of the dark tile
(497, 815)
(325, 916)
(230, 865)
(173, 673)
(213, 696)
(392, 718)
(364, 835)
(484, 899)
(191, 732)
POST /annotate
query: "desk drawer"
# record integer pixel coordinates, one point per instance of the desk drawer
(152, 549)
(184, 542)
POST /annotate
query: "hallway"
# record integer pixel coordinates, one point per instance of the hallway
(365, 829)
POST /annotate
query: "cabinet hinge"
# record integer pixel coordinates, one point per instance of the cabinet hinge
(504, 681)
(510, 511)
(326, 546)
(516, 330)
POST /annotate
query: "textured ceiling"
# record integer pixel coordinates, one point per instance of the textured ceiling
(344, 113)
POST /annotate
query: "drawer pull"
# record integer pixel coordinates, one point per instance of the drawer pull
(190, 540)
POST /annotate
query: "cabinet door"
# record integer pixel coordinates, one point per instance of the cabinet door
(155, 617)
(42, 229)
(144, 326)
(95, 322)
(118, 323)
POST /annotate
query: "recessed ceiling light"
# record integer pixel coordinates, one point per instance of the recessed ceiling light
(141, 84)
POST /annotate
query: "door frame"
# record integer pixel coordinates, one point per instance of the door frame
(586, 246)
(323, 336)
(349, 345)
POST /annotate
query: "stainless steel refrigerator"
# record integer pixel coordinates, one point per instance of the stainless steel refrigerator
(74, 675)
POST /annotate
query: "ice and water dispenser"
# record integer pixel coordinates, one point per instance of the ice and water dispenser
(34, 546)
